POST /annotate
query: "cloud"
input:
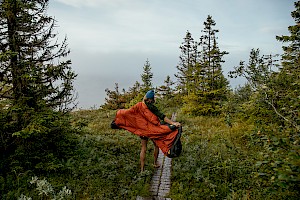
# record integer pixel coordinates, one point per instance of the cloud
(136, 28)
(78, 3)
(95, 3)
(110, 40)
(273, 30)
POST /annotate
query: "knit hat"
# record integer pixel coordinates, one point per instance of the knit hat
(150, 94)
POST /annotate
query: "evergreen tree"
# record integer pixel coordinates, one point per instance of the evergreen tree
(115, 99)
(34, 73)
(36, 85)
(209, 86)
(287, 80)
(166, 90)
(211, 58)
(168, 99)
(32, 63)
(274, 108)
(146, 77)
(259, 73)
(133, 91)
(186, 66)
(140, 89)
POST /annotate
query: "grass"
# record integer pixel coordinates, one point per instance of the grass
(108, 160)
(104, 164)
(219, 162)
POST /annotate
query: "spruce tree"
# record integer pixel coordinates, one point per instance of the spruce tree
(115, 99)
(278, 89)
(146, 77)
(133, 91)
(211, 57)
(36, 82)
(167, 97)
(209, 86)
(166, 90)
(32, 62)
(288, 80)
(186, 66)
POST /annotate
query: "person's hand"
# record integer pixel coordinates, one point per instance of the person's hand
(177, 124)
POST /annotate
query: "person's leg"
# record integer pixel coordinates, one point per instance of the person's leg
(156, 150)
(143, 153)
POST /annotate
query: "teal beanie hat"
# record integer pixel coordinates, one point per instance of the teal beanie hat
(150, 94)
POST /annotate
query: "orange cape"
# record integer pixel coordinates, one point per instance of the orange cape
(140, 121)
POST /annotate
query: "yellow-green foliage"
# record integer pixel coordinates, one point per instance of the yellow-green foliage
(135, 100)
(205, 103)
(218, 162)
(222, 162)
(103, 165)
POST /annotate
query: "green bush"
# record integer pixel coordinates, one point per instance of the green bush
(104, 163)
(219, 162)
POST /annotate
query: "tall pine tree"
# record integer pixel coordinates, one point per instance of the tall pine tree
(208, 82)
(186, 66)
(289, 77)
(146, 77)
(32, 62)
(115, 99)
(166, 90)
(211, 58)
(36, 83)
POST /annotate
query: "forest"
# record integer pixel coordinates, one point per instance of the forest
(238, 143)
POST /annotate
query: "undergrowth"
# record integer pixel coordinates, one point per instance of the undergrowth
(218, 162)
(221, 162)
(103, 165)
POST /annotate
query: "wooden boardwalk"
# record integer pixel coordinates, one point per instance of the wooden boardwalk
(161, 180)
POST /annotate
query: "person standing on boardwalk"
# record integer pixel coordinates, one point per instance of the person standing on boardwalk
(144, 119)
(149, 100)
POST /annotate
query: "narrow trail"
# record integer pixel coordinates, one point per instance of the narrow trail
(161, 180)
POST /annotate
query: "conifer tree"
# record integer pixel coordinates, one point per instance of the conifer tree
(36, 83)
(167, 97)
(133, 91)
(115, 99)
(259, 73)
(146, 77)
(186, 66)
(32, 62)
(209, 86)
(211, 58)
(274, 106)
(166, 90)
(277, 90)
(288, 81)
(34, 72)
(136, 93)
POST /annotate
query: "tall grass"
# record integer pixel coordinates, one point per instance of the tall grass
(104, 164)
(219, 162)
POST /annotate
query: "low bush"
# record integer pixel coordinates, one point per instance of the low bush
(104, 164)
(219, 162)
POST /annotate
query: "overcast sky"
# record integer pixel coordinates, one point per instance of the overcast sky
(110, 40)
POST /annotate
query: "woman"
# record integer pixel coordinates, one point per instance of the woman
(149, 100)
(144, 120)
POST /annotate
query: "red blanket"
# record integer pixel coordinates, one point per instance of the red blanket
(141, 121)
